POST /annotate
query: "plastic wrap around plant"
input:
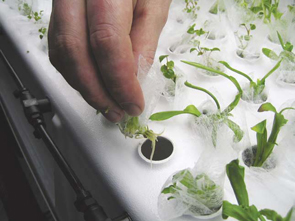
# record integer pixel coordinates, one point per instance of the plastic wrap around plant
(171, 89)
(152, 87)
(199, 191)
(252, 96)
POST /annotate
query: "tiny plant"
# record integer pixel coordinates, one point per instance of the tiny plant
(206, 55)
(200, 189)
(198, 32)
(191, 7)
(168, 68)
(216, 7)
(258, 86)
(268, 9)
(27, 11)
(215, 120)
(243, 211)
(244, 39)
(42, 32)
(202, 50)
(286, 53)
(265, 146)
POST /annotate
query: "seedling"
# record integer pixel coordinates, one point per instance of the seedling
(168, 68)
(197, 32)
(258, 86)
(202, 189)
(245, 39)
(206, 55)
(218, 6)
(286, 53)
(243, 211)
(214, 120)
(27, 11)
(191, 7)
(42, 32)
(131, 127)
(265, 146)
(268, 9)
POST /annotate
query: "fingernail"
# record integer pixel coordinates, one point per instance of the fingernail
(113, 116)
(131, 109)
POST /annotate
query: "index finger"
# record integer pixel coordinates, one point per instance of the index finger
(109, 24)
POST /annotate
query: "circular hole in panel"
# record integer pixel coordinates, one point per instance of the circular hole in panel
(163, 151)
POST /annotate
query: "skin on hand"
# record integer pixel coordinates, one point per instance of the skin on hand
(95, 45)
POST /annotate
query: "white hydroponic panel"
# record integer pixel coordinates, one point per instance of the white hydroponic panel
(98, 146)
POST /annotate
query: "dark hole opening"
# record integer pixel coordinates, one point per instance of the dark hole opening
(164, 149)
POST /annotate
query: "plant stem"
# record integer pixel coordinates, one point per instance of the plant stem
(235, 70)
(271, 71)
(232, 79)
(204, 90)
(287, 108)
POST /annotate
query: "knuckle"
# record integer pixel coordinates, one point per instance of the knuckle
(157, 15)
(102, 33)
(64, 49)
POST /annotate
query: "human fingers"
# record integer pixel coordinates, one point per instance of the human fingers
(69, 52)
(149, 19)
(109, 27)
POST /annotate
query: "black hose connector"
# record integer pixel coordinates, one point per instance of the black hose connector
(33, 108)
(86, 204)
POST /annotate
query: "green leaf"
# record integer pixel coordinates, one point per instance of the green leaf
(162, 57)
(267, 107)
(206, 49)
(239, 133)
(279, 121)
(236, 174)
(240, 213)
(271, 215)
(281, 40)
(170, 64)
(185, 178)
(193, 110)
(252, 26)
(214, 8)
(204, 90)
(160, 116)
(232, 105)
(261, 137)
(290, 214)
(288, 47)
(192, 49)
(164, 69)
(256, 9)
(169, 189)
(200, 32)
(260, 127)
(270, 54)
(262, 81)
(215, 49)
(232, 79)
(235, 70)
(191, 29)
(169, 74)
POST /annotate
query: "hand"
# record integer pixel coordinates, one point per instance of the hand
(95, 45)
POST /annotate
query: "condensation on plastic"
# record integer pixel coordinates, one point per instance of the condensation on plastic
(212, 162)
(287, 72)
(171, 89)
(248, 94)
(203, 127)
